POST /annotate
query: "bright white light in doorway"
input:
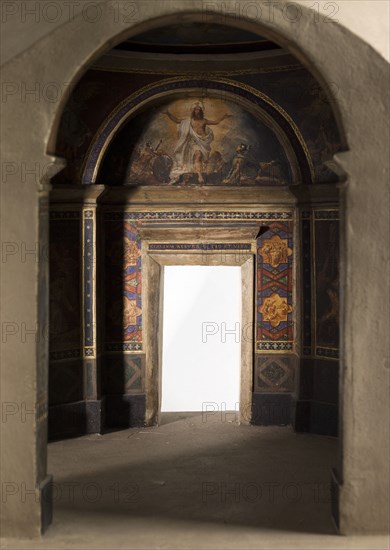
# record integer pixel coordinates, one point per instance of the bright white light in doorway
(201, 338)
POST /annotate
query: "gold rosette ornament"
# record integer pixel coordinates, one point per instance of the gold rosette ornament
(275, 309)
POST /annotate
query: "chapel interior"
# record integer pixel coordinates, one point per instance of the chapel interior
(194, 278)
(259, 188)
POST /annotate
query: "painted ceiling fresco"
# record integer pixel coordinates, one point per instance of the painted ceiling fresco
(191, 141)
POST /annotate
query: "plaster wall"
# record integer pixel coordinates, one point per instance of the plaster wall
(331, 51)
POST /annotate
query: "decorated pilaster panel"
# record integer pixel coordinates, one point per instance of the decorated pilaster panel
(307, 286)
(274, 288)
(89, 301)
(123, 347)
(65, 328)
(326, 277)
(275, 332)
(320, 282)
(317, 407)
(123, 286)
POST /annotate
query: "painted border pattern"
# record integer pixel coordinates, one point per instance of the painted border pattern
(88, 239)
(200, 246)
(329, 353)
(197, 216)
(132, 287)
(124, 346)
(123, 270)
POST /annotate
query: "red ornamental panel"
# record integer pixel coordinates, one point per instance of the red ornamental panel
(275, 288)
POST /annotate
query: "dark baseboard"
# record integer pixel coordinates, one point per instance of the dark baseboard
(272, 409)
(66, 383)
(302, 416)
(46, 500)
(316, 417)
(87, 417)
(74, 419)
(319, 380)
(324, 418)
(124, 411)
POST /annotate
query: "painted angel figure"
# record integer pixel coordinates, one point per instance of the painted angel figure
(195, 137)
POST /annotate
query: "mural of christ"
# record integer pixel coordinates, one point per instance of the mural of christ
(194, 142)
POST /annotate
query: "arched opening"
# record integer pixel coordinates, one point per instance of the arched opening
(319, 49)
(176, 159)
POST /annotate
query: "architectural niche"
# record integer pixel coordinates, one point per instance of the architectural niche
(351, 71)
(141, 191)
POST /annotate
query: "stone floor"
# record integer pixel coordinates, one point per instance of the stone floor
(194, 483)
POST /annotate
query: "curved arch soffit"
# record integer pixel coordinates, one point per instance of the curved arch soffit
(276, 30)
(263, 107)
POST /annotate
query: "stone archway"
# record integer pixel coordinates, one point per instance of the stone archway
(335, 56)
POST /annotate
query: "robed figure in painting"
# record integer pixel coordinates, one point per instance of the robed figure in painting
(193, 148)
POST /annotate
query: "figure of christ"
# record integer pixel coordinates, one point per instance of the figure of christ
(194, 143)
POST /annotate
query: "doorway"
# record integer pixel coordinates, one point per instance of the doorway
(201, 339)
(154, 269)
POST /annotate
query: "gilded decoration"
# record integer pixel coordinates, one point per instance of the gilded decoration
(131, 252)
(275, 309)
(130, 312)
(275, 251)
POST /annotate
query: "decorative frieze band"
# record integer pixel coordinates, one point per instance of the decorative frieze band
(327, 352)
(197, 216)
(275, 346)
(123, 346)
(200, 246)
